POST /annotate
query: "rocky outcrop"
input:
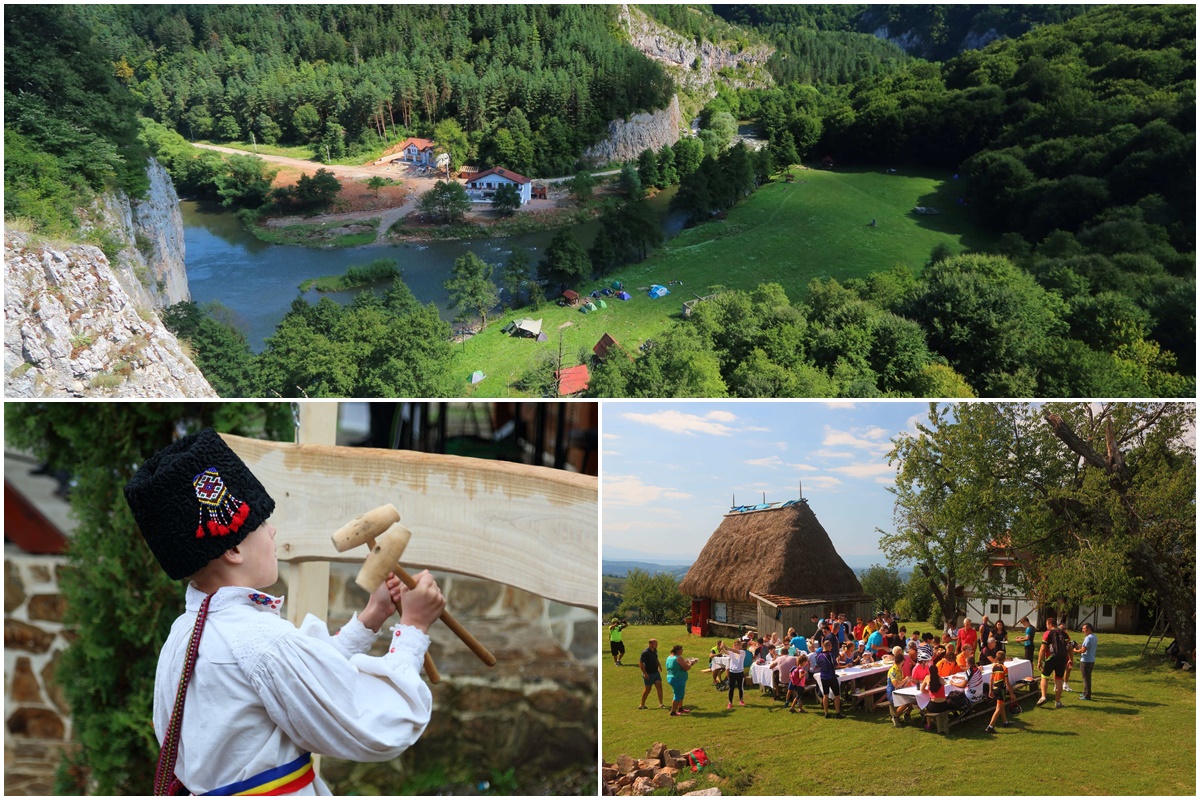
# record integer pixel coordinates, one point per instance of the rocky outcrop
(695, 65)
(71, 329)
(627, 138)
(149, 234)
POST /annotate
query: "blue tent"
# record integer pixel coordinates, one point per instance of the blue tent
(477, 376)
(658, 291)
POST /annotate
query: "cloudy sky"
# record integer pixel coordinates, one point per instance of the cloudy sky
(671, 469)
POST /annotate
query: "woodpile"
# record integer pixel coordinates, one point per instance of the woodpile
(661, 768)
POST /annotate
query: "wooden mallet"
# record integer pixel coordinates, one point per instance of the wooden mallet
(381, 531)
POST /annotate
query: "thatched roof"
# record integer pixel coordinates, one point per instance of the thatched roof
(780, 552)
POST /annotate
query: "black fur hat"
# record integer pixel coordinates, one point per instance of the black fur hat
(194, 500)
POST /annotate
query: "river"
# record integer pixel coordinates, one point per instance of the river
(258, 282)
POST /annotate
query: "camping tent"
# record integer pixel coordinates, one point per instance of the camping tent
(528, 327)
(477, 376)
(587, 307)
(624, 295)
(542, 337)
(658, 291)
(602, 304)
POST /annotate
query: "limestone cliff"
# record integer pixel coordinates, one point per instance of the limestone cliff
(627, 138)
(149, 231)
(72, 330)
(697, 66)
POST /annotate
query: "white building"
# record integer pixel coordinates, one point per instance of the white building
(482, 186)
(1010, 603)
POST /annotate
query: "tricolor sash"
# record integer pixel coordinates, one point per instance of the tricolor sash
(289, 778)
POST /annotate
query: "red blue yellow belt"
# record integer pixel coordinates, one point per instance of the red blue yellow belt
(289, 778)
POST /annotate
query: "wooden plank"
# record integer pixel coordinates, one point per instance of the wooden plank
(308, 582)
(530, 527)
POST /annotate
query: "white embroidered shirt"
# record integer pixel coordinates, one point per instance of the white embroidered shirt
(264, 691)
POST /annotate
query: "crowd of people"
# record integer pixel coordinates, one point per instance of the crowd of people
(947, 666)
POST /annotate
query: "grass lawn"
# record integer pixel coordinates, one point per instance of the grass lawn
(815, 227)
(1137, 738)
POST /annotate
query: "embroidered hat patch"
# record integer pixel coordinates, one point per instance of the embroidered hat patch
(195, 499)
(220, 512)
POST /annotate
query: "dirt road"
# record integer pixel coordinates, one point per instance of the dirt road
(415, 184)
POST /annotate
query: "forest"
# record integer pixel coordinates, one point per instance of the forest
(530, 85)
(1075, 144)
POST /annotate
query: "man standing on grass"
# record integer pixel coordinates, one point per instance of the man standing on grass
(614, 640)
(651, 675)
(1087, 659)
(967, 637)
(1052, 660)
(827, 682)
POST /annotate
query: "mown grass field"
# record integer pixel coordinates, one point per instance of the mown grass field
(787, 233)
(1138, 737)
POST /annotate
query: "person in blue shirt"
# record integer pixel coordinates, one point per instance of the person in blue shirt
(1087, 659)
(800, 643)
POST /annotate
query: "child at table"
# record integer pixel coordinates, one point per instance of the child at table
(1001, 691)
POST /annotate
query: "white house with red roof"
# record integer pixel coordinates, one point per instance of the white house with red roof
(482, 186)
(418, 151)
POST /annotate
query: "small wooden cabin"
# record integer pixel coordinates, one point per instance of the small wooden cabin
(769, 567)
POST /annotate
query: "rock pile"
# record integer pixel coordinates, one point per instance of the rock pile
(660, 769)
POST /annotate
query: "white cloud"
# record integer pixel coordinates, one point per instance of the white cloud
(867, 470)
(628, 490)
(689, 424)
(833, 454)
(873, 439)
(824, 482)
(769, 461)
(839, 404)
(611, 436)
(721, 416)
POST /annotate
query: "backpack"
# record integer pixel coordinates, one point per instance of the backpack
(697, 759)
(796, 677)
(1057, 644)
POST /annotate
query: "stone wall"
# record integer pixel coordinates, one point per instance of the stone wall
(37, 719)
(535, 711)
(72, 330)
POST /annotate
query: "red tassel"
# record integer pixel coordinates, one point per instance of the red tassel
(200, 531)
(242, 513)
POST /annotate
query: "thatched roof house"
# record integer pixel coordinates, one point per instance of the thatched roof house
(770, 567)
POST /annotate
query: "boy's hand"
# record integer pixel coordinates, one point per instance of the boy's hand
(381, 604)
(423, 604)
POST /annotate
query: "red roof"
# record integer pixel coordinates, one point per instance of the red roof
(571, 295)
(601, 348)
(501, 172)
(422, 144)
(573, 380)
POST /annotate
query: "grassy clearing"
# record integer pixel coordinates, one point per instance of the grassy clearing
(405, 229)
(1137, 738)
(382, 269)
(816, 227)
(302, 152)
(324, 234)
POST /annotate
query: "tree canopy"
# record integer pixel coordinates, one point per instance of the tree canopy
(1097, 500)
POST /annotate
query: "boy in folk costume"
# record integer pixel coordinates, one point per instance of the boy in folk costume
(261, 695)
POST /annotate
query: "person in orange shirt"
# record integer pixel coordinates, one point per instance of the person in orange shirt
(949, 665)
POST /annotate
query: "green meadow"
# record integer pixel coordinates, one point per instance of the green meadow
(1138, 737)
(818, 226)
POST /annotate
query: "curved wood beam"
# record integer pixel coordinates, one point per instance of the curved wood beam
(530, 527)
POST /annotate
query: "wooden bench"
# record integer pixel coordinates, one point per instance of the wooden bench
(867, 697)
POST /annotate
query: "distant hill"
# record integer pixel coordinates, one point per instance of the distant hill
(621, 568)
